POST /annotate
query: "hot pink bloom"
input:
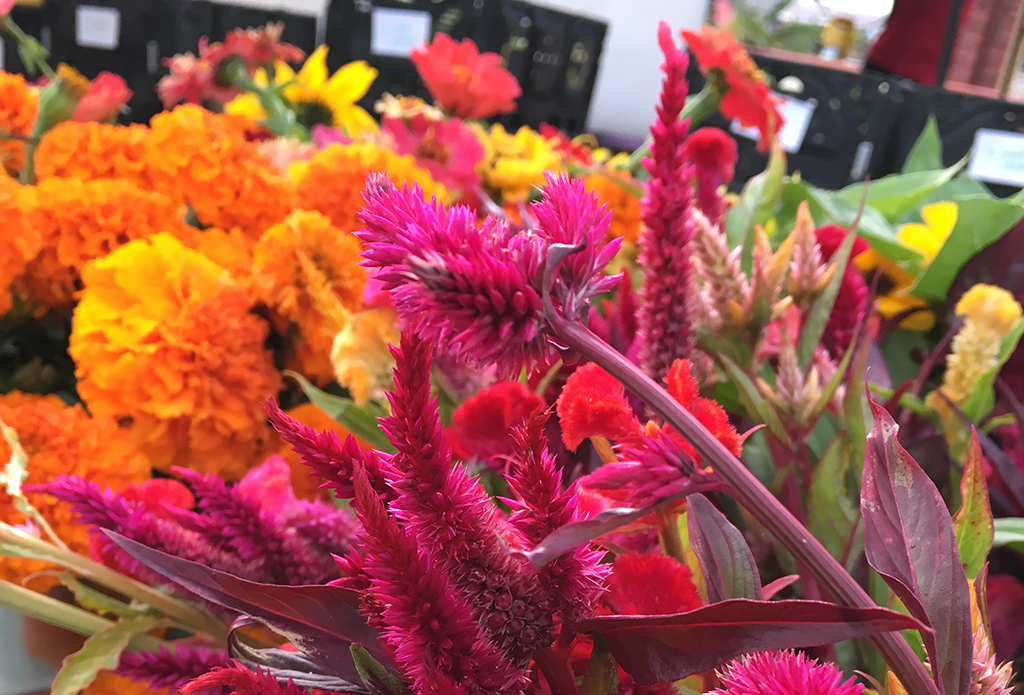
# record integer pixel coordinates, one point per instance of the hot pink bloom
(6, 6)
(772, 673)
(667, 209)
(482, 425)
(106, 95)
(325, 136)
(713, 154)
(851, 303)
(171, 669)
(464, 82)
(446, 148)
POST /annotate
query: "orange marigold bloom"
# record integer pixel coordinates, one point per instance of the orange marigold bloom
(624, 206)
(109, 683)
(92, 150)
(747, 95)
(164, 342)
(361, 355)
(332, 181)
(18, 108)
(231, 250)
(304, 482)
(83, 220)
(61, 439)
(19, 241)
(206, 160)
(464, 82)
(308, 272)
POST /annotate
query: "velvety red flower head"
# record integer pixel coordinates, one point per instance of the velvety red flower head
(748, 97)
(713, 152)
(482, 426)
(107, 94)
(463, 81)
(593, 404)
(651, 585)
(851, 303)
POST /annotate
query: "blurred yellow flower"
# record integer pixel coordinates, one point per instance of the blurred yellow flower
(318, 98)
(514, 164)
(927, 239)
(362, 361)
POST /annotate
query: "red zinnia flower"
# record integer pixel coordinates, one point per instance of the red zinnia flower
(747, 96)
(446, 148)
(482, 426)
(463, 81)
(106, 95)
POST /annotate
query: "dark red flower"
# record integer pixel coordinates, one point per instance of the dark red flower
(593, 404)
(464, 82)
(651, 585)
(482, 426)
(851, 303)
(713, 154)
(107, 94)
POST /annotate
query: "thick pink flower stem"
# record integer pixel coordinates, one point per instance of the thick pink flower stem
(748, 491)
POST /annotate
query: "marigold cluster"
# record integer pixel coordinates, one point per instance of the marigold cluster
(19, 243)
(81, 221)
(18, 109)
(514, 164)
(59, 439)
(206, 160)
(613, 189)
(91, 151)
(308, 272)
(164, 342)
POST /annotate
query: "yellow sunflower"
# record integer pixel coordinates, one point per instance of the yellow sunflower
(318, 98)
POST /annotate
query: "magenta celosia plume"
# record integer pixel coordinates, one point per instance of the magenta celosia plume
(773, 673)
(236, 679)
(667, 209)
(171, 669)
(480, 289)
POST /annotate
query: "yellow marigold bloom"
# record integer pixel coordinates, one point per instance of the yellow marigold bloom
(304, 482)
(332, 181)
(93, 150)
(231, 250)
(19, 106)
(308, 272)
(611, 187)
(19, 241)
(362, 361)
(927, 239)
(206, 160)
(514, 164)
(61, 439)
(164, 342)
(318, 98)
(81, 221)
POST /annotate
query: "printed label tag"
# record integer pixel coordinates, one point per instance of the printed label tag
(997, 157)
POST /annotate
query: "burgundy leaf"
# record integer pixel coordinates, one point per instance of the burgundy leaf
(725, 559)
(322, 621)
(769, 590)
(666, 648)
(909, 539)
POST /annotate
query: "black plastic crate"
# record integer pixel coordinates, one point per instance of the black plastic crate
(299, 30)
(37, 22)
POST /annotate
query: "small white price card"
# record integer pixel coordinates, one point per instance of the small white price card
(396, 32)
(997, 157)
(796, 116)
(97, 27)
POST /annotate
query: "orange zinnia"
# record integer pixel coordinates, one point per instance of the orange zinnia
(464, 82)
(747, 96)
(18, 108)
(90, 151)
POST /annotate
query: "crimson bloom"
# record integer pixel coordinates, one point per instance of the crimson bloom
(713, 154)
(593, 404)
(651, 585)
(747, 95)
(851, 305)
(464, 82)
(482, 426)
(107, 94)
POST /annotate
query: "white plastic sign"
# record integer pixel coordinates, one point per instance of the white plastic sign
(396, 32)
(97, 27)
(997, 157)
(796, 116)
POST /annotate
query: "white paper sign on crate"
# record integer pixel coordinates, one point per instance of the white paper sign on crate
(796, 117)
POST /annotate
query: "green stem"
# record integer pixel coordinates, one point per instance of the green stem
(698, 108)
(32, 53)
(280, 118)
(671, 540)
(28, 174)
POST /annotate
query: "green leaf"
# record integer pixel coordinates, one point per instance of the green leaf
(973, 522)
(378, 680)
(814, 325)
(101, 652)
(897, 194)
(602, 676)
(833, 515)
(983, 397)
(98, 601)
(757, 407)
(926, 155)
(1009, 532)
(757, 202)
(979, 223)
(359, 420)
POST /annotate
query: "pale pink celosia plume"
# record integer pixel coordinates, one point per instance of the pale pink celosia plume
(667, 209)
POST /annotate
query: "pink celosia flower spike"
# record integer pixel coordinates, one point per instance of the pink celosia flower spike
(171, 669)
(667, 209)
(574, 581)
(772, 673)
(450, 514)
(436, 642)
(239, 680)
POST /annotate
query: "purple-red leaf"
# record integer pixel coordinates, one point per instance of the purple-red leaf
(909, 539)
(769, 590)
(725, 559)
(666, 648)
(322, 621)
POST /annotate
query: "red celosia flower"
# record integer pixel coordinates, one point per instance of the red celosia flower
(667, 212)
(651, 585)
(446, 148)
(463, 81)
(713, 154)
(570, 151)
(482, 425)
(593, 404)
(748, 97)
(107, 94)
(683, 387)
(169, 669)
(239, 680)
(851, 303)
(772, 673)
